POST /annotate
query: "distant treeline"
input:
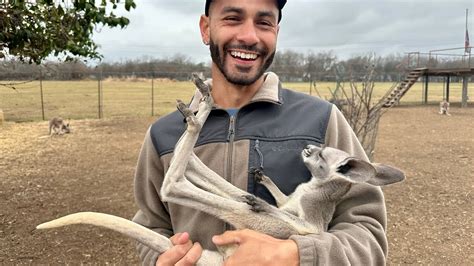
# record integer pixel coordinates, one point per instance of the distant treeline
(289, 65)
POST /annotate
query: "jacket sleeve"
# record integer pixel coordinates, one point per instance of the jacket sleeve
(356, 234)
(152, 212)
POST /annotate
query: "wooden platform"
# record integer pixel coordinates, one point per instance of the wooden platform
(393, 97)
(448, 72)
(465, 73)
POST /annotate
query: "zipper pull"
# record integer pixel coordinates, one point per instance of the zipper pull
(260, 155)
(231, 131)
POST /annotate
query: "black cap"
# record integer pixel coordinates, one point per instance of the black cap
(281, 4)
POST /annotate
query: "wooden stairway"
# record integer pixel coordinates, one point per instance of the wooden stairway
(397, 93)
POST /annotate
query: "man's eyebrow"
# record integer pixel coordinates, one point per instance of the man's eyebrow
(266, 14)
(232, 9)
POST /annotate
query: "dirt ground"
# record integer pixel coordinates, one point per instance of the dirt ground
(430, 215)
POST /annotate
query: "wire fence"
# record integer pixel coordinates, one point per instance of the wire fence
(42, 96)
(96, 96)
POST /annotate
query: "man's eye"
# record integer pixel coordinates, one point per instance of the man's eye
(232, 18)
(265, 23)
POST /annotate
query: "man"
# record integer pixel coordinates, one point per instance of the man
(255, 124)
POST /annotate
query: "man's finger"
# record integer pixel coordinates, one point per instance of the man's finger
(182, 244)
(174, 254)
(192, 256)
(175, 237)
(228, 237)
(180, 238)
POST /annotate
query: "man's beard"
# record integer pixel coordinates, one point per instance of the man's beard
(237, 78)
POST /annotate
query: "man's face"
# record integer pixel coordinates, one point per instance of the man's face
(242, 38)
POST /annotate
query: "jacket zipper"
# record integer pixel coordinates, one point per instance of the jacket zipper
(230, 139)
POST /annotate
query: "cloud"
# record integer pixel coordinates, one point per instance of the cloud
(185, 7)
(158, 29)
(165, 27)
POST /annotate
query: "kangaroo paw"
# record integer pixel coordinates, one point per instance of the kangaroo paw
(255, 203)
(257, 174)
(183, 108)
(203, 87)
(193, 123)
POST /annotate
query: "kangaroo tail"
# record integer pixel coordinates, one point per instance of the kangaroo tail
(138, 232)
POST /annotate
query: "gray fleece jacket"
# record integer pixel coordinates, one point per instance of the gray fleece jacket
(269, 132)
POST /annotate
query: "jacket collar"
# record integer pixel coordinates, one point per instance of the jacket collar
(269, 92)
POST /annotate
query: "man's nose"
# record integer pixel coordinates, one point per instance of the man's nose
(248, 34)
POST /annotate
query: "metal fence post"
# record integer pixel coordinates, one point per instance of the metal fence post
(99, 94)
(41, 91)
(427, 80)
(152, 93)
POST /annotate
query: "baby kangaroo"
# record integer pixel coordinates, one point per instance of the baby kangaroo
(58, 127)
(189, 182)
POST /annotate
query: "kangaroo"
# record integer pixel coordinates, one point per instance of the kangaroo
(189, 182)
(57, 127)
(444, 108)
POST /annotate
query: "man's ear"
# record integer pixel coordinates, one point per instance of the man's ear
(356, 170)
(386, 175)
(205, 31)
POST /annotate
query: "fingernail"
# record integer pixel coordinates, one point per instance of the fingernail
(184, 235)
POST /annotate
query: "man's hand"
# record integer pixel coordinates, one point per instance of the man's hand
(258, 249)
(183, 253)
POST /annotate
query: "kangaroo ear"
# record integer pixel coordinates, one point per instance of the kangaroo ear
(356, 170)
(386, 175)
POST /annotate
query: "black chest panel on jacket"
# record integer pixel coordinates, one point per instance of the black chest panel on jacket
(277, 134)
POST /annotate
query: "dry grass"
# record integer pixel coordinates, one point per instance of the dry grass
(430, 215)
(79, 99)
(2, 118)
(132, 97)
(413, 96)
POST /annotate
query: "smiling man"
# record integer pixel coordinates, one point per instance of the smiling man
(242, 39)
(255, 124)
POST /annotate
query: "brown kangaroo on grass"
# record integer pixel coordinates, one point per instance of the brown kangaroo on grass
(58, 127)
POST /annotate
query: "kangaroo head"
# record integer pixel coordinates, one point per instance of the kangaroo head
(66, 128)
(327, 164)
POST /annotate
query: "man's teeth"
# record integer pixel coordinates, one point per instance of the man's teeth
(243, 55)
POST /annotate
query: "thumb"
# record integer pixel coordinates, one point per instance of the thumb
(227, 238)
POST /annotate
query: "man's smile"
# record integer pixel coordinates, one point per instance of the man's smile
(243, 55)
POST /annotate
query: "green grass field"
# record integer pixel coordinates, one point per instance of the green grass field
(79, 99)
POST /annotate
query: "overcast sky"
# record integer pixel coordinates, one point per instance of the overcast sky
(163, 28)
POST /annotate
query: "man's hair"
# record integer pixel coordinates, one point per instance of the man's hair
(280, 3)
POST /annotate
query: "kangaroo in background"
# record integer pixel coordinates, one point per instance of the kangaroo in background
(57, 127)
(444, 108)
(189, 182)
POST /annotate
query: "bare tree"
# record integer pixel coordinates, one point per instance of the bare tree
(359, 107)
